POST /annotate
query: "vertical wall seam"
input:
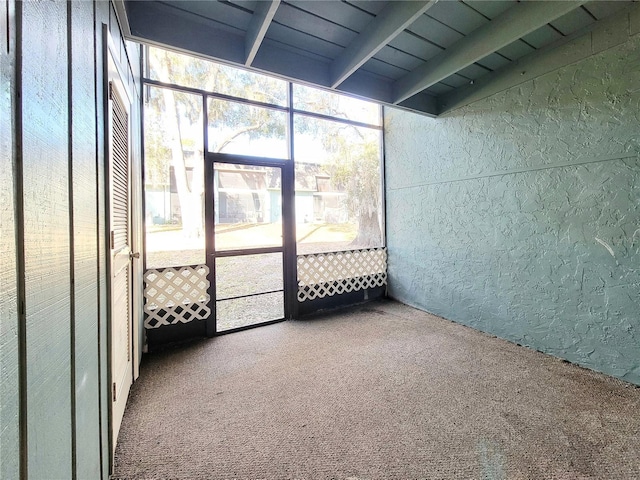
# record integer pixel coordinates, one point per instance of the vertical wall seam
(20, 253)
(8, 23)
(72, 290)
(101, 386)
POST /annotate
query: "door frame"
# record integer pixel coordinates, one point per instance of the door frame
(113, 73)
(288, 248)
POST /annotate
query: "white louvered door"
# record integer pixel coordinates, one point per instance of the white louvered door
(120, 248)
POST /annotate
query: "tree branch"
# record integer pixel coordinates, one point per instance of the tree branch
(237, 134)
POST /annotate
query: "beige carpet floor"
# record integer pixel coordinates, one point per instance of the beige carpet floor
(378, 391)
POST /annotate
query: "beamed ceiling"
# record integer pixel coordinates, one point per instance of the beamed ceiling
(427, 56)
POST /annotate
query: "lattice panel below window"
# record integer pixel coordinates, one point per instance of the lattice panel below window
(176, 295)
(326, 274)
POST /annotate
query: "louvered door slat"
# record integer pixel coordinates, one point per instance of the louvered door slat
(120, 173)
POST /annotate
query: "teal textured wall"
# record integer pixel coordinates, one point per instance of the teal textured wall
(45, 159)
(519, 214)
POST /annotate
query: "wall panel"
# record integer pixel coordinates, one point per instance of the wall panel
(85, 247)
(52, 195)
(101, 10)
(9, 360)
(46, 230)
(518, 214)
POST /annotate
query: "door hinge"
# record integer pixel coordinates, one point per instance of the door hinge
(114, 391)
(113, 239)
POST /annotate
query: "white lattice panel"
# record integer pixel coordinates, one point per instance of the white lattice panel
(325, 274)
(176, 295)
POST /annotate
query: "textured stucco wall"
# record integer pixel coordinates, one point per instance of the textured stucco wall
(519, 214)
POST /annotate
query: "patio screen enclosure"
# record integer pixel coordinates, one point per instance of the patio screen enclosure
(263, 199)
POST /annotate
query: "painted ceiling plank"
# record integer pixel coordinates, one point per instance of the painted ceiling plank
(493, 61)
(313, 25)
(542, 37)
(160, 24)
(424, 102)
(368, 6)
(398, 58)
(490, 8)
(367, 86)
(602, 9)
(389, 23)
(572, 21)
(516, 22)
(515, 50)
(439, 34)
(384, 69)
(219, 12)
(459, 16)
(340, 13)
(262, 16)
(274, 58)
(303, 43)
(415, 45)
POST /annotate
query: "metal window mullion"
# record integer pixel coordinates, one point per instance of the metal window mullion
(289, 235)
(330, 118)
(383, 183)
(218, 96)
(248, 251)
(269, 106)
(235, 159)
(209, 222)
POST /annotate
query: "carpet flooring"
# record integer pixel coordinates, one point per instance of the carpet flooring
(374, 392)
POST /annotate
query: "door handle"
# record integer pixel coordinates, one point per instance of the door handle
(134, 255)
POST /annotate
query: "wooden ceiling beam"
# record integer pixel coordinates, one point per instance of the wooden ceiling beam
(262, 16)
